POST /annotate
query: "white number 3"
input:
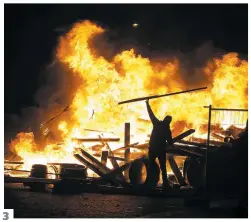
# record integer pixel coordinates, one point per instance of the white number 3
(5, 216)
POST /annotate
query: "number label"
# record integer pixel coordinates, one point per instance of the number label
(6, 216)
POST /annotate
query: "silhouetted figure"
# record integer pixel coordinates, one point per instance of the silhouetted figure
(161, 136)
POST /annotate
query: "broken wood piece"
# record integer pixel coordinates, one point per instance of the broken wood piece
(99, 131)
(144, 120)
(176, 170)
(217, 136)
(114, 161)
(110, 157)
(93, 168)
(96, 147)
(199, 145)
(134, 155)
(142, 146)
(104, 157)
(92, 159)
(89, 165)
(234, 131)
(28, 171)
(183, 135)
(212, 142)
(124, 148)
(13, 162)
(119, 170)
(96, 139)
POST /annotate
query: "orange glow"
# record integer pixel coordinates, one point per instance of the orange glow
(129, 75)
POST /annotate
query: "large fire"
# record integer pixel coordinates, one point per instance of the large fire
(128, 75)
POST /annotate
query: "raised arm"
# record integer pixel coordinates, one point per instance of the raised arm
(169, 138)
(151, 114)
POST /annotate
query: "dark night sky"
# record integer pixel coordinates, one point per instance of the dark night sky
(30, 35)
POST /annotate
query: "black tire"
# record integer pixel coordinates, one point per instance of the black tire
(38, 171)
(194, 172)
(152, 175)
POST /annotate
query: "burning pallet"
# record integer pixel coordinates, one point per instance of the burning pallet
(123, 161)
(115, 175)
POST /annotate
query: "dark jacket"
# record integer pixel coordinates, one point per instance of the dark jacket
(161, 134)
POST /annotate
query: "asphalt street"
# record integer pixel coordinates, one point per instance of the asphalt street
(28, 204)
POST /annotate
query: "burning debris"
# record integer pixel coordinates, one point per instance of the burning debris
(87, 133)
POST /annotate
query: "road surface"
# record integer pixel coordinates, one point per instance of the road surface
(27, 204)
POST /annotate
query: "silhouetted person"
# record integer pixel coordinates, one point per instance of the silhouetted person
(161, 136)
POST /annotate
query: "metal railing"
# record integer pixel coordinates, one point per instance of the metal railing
(224, 119)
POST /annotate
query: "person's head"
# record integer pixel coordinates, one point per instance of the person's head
(167, 120)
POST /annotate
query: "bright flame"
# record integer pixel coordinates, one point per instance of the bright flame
(128, 75)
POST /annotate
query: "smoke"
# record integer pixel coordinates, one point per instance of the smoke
(56, 92)
(191, 63)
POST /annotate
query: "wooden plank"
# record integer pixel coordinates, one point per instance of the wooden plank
(124, 148)
(96, 147)
(119, 170)
(8, 179)
(13, 162)
(144, 146)
(96, 162)
(176, 170)
(211, 142)
(104, 157)
(113, 160)
(158, 96)
(127, 151)
(64, 110)
(217, 136)
(99, 131)
(96, 170)
(183, 135)
(134, 155)
(96, 139)
(111, 157)
(198, 145)
(28, 171)
(89, 165)
(144, 120)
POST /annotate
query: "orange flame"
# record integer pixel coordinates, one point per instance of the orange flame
(129, 75)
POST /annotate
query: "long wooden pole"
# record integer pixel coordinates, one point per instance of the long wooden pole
(127, 151)
(208, 144)
(96, 139)
(158, 96)
(64, 110)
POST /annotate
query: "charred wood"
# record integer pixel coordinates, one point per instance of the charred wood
(96, 139)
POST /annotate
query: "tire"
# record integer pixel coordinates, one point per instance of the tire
(136, 173)
(193, 172)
